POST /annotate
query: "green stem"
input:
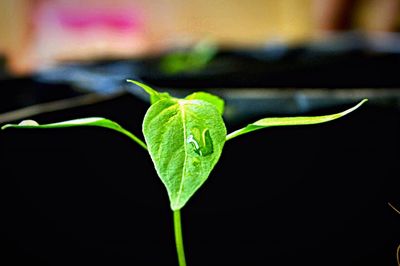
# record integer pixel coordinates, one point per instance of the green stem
(178, 238)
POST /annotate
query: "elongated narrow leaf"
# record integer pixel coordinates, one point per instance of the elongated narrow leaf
(291, 121)
(89, 121)
(208, 97)
(185, 140)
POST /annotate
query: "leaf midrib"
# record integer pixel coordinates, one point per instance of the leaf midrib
(183, 117)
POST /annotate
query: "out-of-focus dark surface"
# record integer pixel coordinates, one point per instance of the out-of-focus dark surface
(312, 195)
(351, 60)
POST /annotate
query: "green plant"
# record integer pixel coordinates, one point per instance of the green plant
(185, 138)
(190, 59)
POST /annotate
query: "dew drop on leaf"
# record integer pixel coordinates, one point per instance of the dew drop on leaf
(28, 122)
(201, 141)
(195, 144)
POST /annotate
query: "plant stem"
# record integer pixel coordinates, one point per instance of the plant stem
(178, 238)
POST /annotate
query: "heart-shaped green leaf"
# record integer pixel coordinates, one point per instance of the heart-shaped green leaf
(290, 121)
(89, 121)
(185, 140)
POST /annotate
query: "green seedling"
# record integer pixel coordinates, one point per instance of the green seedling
(185, 138)
(189, 60)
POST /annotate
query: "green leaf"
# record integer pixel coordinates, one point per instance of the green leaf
(189, 60)
(185, 140)
(89, 121)
(290, 121)
(208, 97)
(154, 95)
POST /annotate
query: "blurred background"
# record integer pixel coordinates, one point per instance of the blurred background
(38, 33)
(93, 46)
(316, 195)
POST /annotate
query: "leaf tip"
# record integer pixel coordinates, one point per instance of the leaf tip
(146, 88)
(361, 103)
(6, 126)
(23, 123)
(135, 82)
(354, 107)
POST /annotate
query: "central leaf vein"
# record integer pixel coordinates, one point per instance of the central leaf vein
(182, 110)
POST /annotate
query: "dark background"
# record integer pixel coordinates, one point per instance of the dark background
(301, 195)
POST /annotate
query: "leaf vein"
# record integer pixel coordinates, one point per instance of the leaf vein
(182, 110)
